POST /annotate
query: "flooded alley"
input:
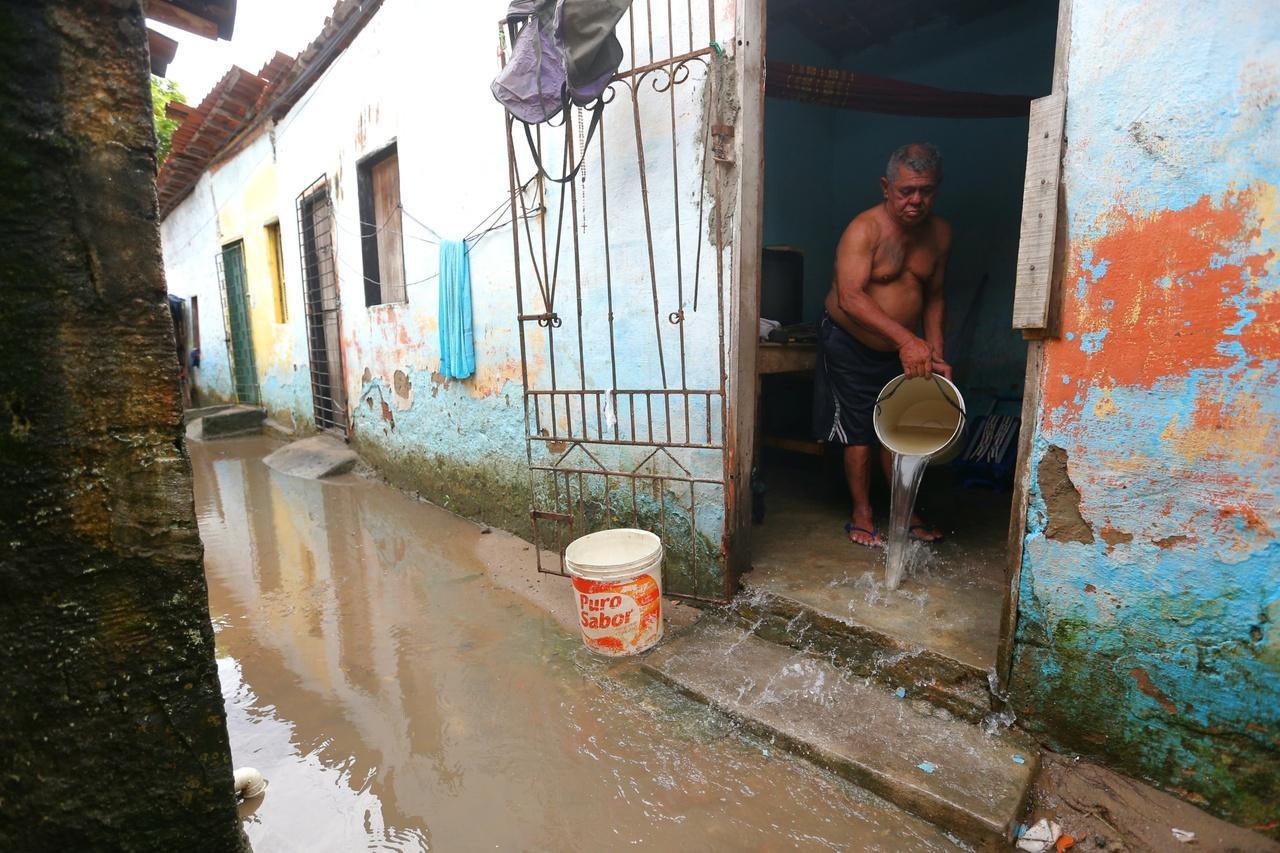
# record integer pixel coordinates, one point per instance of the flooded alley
(397, 698)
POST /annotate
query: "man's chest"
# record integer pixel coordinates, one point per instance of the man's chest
(894, 260)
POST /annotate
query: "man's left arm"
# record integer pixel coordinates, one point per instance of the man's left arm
(935, 305)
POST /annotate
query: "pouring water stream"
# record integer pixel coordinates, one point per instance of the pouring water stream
(913, 446)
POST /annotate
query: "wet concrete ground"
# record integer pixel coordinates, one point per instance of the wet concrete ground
(397, 698)
(951, 598)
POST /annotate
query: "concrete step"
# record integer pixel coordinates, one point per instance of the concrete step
(189, 415)
(226, 422)
(917, 756)
(313, 458)
(958, 687)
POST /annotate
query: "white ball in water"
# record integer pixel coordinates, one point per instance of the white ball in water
(249, 783)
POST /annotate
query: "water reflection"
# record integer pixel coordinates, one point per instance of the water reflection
(396, 699)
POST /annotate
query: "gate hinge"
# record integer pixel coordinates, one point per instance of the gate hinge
(722, 146)
(549, 318)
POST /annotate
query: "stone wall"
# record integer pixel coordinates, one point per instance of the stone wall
(112, 732)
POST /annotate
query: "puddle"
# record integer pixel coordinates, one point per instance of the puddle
(397, 699)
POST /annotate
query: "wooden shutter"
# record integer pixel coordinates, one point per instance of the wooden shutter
(386, 212)
(1033, 288)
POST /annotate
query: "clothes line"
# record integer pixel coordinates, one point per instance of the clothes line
(832, 87)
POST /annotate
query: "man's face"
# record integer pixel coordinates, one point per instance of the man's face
(909, 196)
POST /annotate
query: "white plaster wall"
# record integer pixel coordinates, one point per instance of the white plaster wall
(247, 192)
(411, 78)
(419, 75)
(418, 80)
(189, 243)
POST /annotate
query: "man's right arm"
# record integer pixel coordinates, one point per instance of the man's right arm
(853, 275)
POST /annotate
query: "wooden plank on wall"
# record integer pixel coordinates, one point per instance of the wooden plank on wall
(1034, 282)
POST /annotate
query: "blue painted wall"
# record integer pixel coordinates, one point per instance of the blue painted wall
(1150, 587)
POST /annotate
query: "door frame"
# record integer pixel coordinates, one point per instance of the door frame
(228, 317)
(745, 306)
(1032, 395)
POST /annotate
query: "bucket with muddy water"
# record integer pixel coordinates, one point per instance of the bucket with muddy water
(617, 588)
(921, 417)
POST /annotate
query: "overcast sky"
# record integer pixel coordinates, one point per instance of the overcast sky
(262, 28)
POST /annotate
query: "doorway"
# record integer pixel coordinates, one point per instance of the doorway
(847, 85)
(323, 307)
(244, 371)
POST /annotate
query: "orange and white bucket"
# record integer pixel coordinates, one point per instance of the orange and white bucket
(617, 587)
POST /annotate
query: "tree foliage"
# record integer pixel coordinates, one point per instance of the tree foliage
(163, 91)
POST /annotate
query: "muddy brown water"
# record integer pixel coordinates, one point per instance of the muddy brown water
(396, 698)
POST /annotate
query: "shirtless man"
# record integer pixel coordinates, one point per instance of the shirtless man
(887, 287)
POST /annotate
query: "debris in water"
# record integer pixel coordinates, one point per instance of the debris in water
(1185, 836)
(1040, 837)
(927, 766)
(248, 783)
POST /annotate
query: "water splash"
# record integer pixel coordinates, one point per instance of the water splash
(907, 473)
(994, 723)
(872, 590)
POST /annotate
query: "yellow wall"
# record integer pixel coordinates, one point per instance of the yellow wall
(247, 202)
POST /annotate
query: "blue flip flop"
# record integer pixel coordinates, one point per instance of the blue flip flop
(850, 527)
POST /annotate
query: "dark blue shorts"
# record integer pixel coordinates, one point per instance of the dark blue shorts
(847, 381)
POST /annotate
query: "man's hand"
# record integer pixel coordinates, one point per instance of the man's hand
(941, 367)
(917, 358)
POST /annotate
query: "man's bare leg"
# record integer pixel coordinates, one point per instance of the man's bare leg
(857, 472)
(921, 531)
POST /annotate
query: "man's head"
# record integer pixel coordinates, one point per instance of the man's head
(911, 181)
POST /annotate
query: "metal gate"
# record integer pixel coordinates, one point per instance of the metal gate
(235, 318)
(324, 307)
(622, 335)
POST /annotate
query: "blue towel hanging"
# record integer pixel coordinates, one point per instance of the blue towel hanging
(457, 346)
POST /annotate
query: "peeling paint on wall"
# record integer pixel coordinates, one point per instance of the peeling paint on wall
(1146, 631)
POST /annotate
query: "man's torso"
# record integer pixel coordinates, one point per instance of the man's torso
(902, 264)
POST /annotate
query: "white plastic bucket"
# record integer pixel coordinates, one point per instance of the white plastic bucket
(921, 417)
(617, 588)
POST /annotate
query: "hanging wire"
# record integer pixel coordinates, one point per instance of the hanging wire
(376, 229)
(368, 280)
(413, 218)
(495, 219)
